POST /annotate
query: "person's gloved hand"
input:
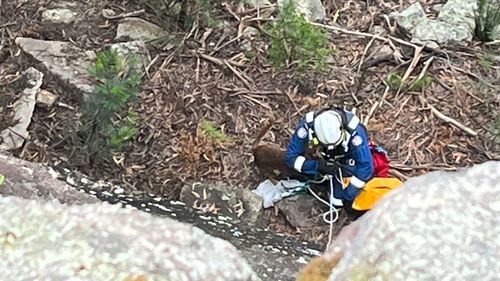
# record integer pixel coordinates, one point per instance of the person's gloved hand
(327, 167)
(351, 192)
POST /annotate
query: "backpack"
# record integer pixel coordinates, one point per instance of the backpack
(380, 161)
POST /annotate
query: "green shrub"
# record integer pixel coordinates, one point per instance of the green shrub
(293, 38)
(395, 82)
(118, 83)
(420, 84)
(212, 132)
(487, 18)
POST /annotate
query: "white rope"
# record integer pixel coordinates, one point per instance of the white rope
(333, 212)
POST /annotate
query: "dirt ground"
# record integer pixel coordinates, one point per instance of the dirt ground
(211, 77)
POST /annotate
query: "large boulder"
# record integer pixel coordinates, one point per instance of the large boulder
(48, 241)
(459, 12)
(271, 256)
(454, 25)
(440, 226)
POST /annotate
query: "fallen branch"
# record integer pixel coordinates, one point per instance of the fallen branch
(239, 75)
(364, 53)
(385, 39)
(469, 73)
(398, 174)
(120, 16)
(448, 119)
(419, 167)
(258, 102)
(427, 63)
(297, 109)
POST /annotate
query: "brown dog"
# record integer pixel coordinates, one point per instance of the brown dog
(270, 158)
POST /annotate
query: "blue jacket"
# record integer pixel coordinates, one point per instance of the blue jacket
(354, 153)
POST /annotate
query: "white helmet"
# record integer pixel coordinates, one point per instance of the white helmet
(327, 127)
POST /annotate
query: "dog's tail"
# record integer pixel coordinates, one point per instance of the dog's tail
(261, 134)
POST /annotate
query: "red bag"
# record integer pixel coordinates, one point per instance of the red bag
(380, 161)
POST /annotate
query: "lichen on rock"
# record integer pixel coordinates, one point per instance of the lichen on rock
(439, 226)
(50, 241)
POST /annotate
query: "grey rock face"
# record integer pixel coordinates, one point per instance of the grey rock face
(13, 137)
(441, 32)
(61, 59)
(440, 226)
(48, 241)
(60, 15)
(459, 12)
(32, 181)
(312, 9)
(138, 29)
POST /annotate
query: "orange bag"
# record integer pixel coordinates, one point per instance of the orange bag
(373, 191)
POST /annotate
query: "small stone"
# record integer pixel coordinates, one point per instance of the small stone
(61, 15)
(108, 13)
(138, 29)
(118, 191)
(133, 51)
(312, 9)
(46, 98)
(250, 32)
(14, 137)
(378, 30)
